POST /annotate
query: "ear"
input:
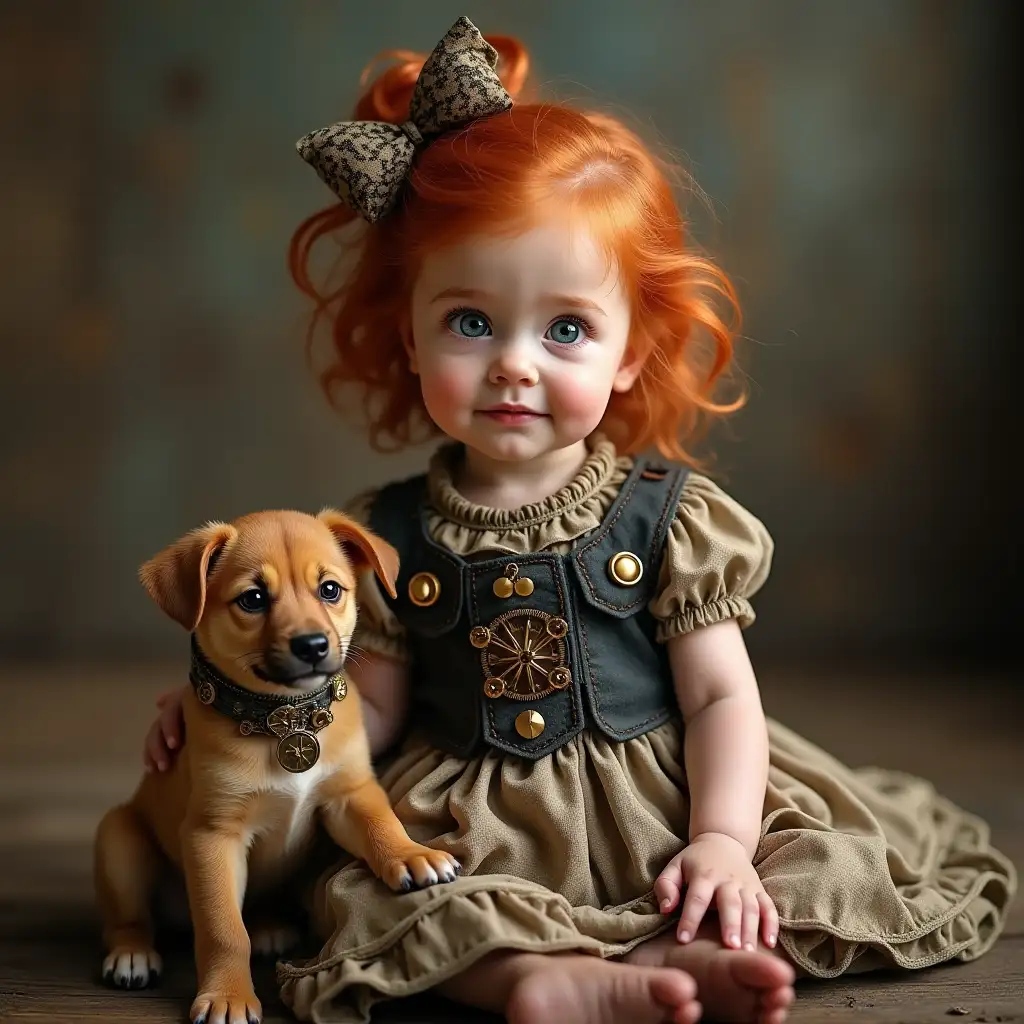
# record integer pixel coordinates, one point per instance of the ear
(365, 548)
(176, 578)
(628, 371)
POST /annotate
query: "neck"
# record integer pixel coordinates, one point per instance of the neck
(511, 484)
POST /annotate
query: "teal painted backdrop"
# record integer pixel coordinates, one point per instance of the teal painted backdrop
(152, 373)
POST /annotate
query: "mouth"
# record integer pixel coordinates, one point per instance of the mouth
(301, 680)
(512, 414)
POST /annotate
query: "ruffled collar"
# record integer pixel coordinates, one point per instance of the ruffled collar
(601, 466)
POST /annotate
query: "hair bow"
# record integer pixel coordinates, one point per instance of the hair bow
(367, 162)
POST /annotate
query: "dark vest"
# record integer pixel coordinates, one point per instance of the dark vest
(523, 652)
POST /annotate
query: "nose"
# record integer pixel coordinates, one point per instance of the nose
(512, 365)
(310, 647)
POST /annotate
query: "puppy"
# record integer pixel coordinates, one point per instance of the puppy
(275, 742)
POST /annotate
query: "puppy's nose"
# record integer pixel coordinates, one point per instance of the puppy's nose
(310, 647)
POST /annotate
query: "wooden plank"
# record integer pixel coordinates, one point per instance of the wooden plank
(55, 782)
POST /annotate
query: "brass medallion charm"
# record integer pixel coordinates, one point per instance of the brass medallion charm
(245, 727)
(524, 655)
(424, 589)
(530, 724)
(298, 752)
(205, 692)
(285, 720)
(625, 568)
(320, 719)
(524, 586)
(339, 686)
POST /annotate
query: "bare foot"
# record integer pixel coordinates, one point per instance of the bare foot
(732, 984)
(587, 990)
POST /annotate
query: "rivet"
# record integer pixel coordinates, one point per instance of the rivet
(529, 724)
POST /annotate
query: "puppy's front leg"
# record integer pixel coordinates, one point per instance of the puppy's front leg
(360, 819)
(215, 864)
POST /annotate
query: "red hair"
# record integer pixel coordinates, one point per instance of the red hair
(467, 182)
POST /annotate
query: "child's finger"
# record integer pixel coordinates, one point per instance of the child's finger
(769, 919)
(730, 913)
(170, 728)
(666, 890)
(163, 698)
(155, 751)
(695, 905)
(751, 919)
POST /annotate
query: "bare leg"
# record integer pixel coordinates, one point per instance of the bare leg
(732, 984)
(574, 988)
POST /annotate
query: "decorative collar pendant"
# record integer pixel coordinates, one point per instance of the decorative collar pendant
(294, 722)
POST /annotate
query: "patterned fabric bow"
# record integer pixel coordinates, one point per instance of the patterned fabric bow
(366, 162)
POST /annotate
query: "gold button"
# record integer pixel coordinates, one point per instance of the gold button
(557, 627)
(503, 587)
(424, 589)
(625, 568)
(524, 586)
(530, 724)
(494, 687)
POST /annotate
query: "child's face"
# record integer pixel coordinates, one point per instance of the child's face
(538, 321)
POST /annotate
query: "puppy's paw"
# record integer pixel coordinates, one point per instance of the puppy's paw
(132, 967)
(419, 867)
(272, 940)
(226, 1007)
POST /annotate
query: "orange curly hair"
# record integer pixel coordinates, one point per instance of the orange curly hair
(499, 174)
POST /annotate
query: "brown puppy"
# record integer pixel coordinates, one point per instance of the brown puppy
(275, 740)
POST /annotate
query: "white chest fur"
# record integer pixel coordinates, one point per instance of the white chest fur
(283, 818)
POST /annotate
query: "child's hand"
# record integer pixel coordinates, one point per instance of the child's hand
(166, 734)
(716, 869)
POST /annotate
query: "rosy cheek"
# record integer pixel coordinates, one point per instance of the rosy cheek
(579, 398)
(445, 388)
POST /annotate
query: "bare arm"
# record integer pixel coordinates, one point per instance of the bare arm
(383, 686)
(726, 745)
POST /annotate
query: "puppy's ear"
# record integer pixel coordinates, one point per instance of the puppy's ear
(364, 547)
(176, 578)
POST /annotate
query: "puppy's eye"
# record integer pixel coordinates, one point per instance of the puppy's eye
(253, 601)
(330, 592)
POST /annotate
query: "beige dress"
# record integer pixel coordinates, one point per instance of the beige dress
(867, 868)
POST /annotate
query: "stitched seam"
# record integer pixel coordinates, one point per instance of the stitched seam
(656, 542)
(603, 532)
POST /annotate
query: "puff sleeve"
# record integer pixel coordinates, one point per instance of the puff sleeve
(378, 630)
(717, 556)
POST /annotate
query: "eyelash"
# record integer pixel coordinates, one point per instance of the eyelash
(584, 325)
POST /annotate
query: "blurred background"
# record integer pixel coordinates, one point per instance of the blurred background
(856, 160)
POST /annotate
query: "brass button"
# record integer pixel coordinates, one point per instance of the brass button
(529, 724)
(479, 636)
(424, 589)
(625, 568)
(524, 586)
(503, 587)
(494, 687)
(557, 627)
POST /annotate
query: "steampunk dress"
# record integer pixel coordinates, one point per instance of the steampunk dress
(546, 750)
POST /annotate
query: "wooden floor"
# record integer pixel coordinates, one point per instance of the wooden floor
(70, 743)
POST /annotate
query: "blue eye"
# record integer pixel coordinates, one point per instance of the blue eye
(253, 601)
(565, 331)
(469, 323)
